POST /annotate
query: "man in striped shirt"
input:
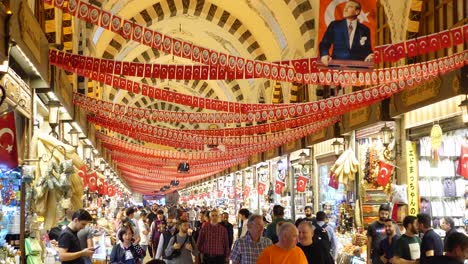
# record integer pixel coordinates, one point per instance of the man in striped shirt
(213, 241)
(247, 249)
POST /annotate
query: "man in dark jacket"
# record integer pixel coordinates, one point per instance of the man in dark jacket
(230, 229)
(278, 216)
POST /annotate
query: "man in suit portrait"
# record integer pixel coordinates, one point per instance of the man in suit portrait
(351, 39)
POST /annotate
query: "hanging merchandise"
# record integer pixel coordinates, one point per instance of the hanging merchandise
(345, 166)
(442, 187)
(333, 182)
(462, 168)
(436, 142)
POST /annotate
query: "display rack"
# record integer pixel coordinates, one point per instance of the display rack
(442, 191)
(371, 203)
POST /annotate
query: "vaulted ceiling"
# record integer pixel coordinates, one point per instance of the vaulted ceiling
(268, 30)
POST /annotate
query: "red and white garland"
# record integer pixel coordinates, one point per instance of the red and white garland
(278, 111)
(224, 66)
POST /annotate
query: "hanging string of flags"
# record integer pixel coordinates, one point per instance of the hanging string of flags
(275, 111)
(224, 66)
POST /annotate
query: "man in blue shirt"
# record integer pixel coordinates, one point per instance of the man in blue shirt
(388, 244)
(431, 244)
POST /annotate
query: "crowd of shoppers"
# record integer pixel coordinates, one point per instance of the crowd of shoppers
(205, 236)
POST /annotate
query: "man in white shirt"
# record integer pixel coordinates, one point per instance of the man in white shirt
(143, 228)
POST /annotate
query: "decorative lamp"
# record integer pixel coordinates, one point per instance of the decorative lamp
(54, 108)
(337, 146)
(107, 171)
(74, 137)
(387, 134)
(87, 150)
(302, 158)
(102, 165)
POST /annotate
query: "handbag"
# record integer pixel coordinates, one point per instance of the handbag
(176, 253)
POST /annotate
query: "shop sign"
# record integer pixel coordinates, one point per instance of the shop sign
(319, 136)
(362, 117)
(412, 181)
(436, 90)
(290, 146)
(272, 153)
(29, 36)
(421, 92)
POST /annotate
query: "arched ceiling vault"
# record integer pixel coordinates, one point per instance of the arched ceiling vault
(260, 29)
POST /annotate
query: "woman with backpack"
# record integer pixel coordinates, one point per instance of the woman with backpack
(125, 252)
(181, 246)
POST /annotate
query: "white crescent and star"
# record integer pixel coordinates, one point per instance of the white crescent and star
(8, 148)
(385, 171)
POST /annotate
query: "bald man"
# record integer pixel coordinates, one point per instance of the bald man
(285, 251)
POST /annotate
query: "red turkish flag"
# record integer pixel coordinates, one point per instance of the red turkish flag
(457, 36)
(163, 71)
(111, 191)
(465, 32)
(140, 69)
(246, 191)
(434, 42)
(179, 72)
(333, 181)
(92, 182)
(445, 41)
(301, 183)
(83, 175)
(389, 53)
(385, 171)
(261, 188)
(187, 72)
(462, 168)
(8, 147)
(412, 47)
(301, 66)
(400, 52)
(279, 187)
(423, 45)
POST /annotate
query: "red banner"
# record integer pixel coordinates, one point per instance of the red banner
(279, 185)
(385, 172)
(8, 145)
(301, 183)
(261, 188)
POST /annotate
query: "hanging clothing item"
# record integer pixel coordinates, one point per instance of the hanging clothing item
(462, 168)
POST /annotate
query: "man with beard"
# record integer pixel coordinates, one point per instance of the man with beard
(376, 233)
(407, 247)
(387, 245)
(308, 216)
(431, 244)
(229, 227)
